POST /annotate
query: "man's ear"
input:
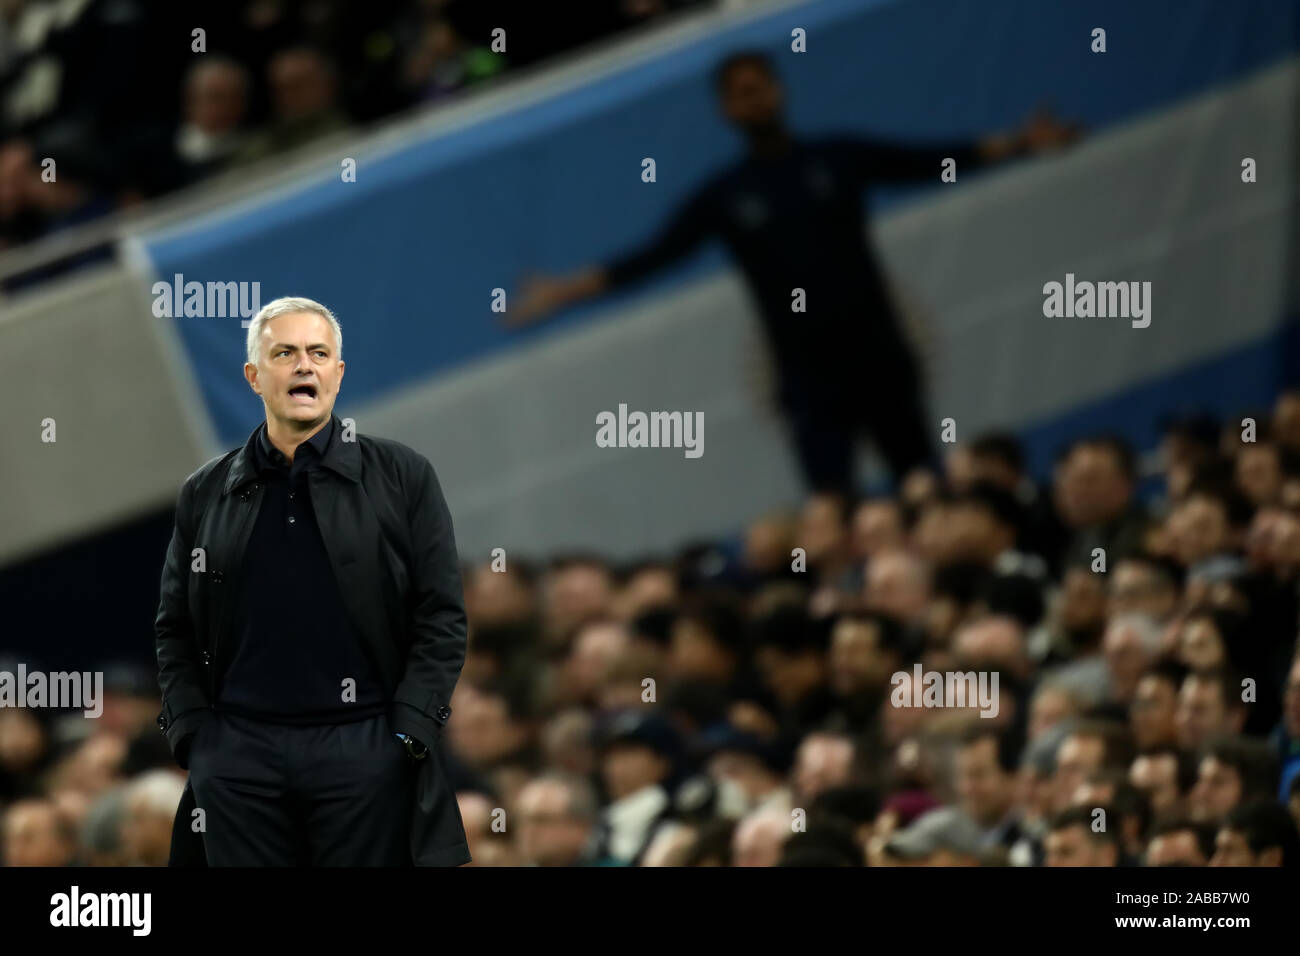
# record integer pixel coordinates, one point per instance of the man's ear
(250, 376)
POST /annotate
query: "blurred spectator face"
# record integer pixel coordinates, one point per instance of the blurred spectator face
(1259, 472)
(1130, 644)
(629, 767)
(768, 544)
(1136, 588)
(279, 369)
(34, 835)
(745, 772)
(216, 97)
(758, 839)
(1077, 758)
(1083, 602)
(932, 535)
(986, 791)
(1232, 849)
(1156, 775)
(821, 531)
(898, 585)
(548, 830)
(1291, 701)
(1177, 848)
(791, 675)
(483, 731)
(821, 762)
(486, 848)
(1093, 488)
(1218, 789)
(1050, 706)
(1202, 712)
(302, 85)
(1074, 846)
(1200, 645)
(1199, 529)
(567, 742)
(993, 643)
(18, 175)
(596, 648)
(975, 534)
(959, 468)
(498, 597)
(858, 662)
(648, 588)
(575, 594)
(994, 470)
(22, 741)
(751, 98)
(1286, 420)
(877, 527)
(147, 823)
(95, 765)
(1152, 712)
(695, 654)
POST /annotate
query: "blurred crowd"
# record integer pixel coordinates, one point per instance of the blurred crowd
(738, 703)
(131, 103)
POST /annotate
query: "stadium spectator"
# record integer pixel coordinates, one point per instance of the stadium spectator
(1257, 834)
(305, 104)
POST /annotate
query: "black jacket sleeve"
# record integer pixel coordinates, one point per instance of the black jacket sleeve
(180, 675)
(422, 701)
(877, 161)
(689, 226)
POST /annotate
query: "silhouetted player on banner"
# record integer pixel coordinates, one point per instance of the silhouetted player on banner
(791, 213)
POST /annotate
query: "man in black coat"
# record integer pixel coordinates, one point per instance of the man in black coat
(790, 212)
(310, 631)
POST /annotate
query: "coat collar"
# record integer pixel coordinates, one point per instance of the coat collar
(343, 457)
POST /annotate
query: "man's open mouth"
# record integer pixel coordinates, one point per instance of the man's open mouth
(303, 391)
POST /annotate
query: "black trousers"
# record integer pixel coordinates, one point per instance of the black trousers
(831, 410)
(276, 795)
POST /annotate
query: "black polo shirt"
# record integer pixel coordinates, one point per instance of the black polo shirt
(294, 645)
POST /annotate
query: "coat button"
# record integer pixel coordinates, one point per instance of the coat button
(291, 519)
(162, 722)
(217, 577)
(207, 658)
(444, 712)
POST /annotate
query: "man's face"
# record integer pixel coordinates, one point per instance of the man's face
(985, 790)
(751, 99)
(1231, 849)
(1074, 846)
(1093, 488)
(32, 836)
(1083, 600)
(1137, 589)
(298, 371)
(1152, 711)
(1200, 646)
(1077, 758)
(1156, 775)
(1217, 790)
(549, 835)
(1291, 701)
(1199, 529)
(877, 526)
(1179, 848)
(215, 100)
(1201, 712)
(629, 767)
(301, 85)
(857, 660)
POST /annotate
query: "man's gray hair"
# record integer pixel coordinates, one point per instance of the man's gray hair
(284, 306)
